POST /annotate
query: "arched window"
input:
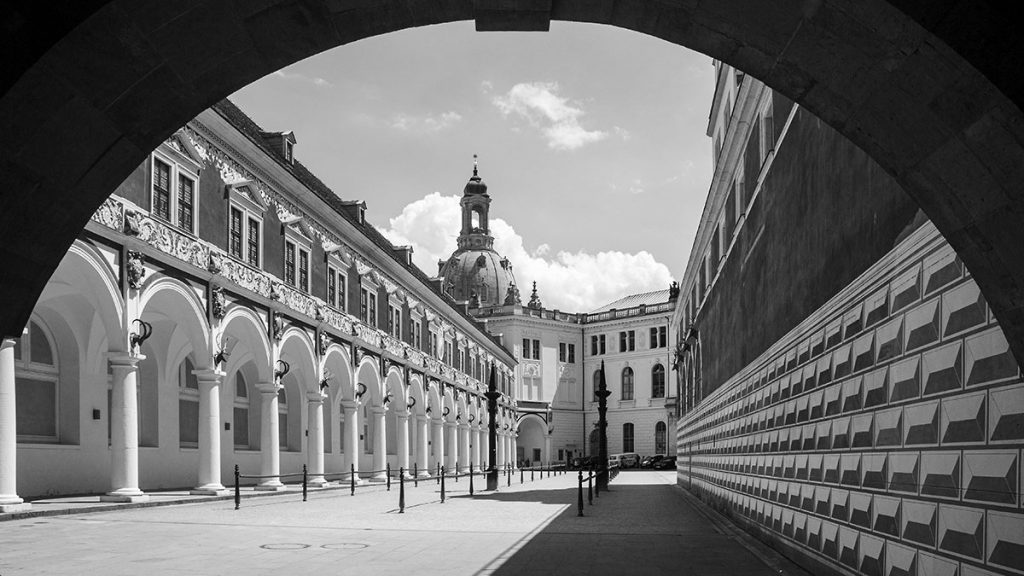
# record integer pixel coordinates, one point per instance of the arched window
(36, 388)
(659, 438)
(241, 412)
(597, 383)
(188, 404)
(282, 418)
(627, 437)
(627, 385)
(658, 382)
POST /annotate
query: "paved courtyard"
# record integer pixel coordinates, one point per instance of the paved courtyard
(644, 526)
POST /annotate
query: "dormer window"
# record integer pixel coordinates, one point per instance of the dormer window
(288, 149)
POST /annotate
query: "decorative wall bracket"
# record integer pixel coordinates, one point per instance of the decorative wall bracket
(281, 371)
(135, 269)
(139, 336)
(218, 302)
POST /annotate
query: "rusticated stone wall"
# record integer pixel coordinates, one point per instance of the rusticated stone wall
(882, 435)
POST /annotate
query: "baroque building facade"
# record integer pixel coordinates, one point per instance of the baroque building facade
(868, 421)
(225, 307)
(560, 354)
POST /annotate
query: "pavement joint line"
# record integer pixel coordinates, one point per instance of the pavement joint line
(501, 558)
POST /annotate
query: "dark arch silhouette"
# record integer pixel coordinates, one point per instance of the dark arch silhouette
(930, 90)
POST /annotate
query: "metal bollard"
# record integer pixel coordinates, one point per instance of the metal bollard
(401, 490)
(456, 470)
(437, 478)
(531, 473)
(387, 473)
(509, 475)
(352, 478)
(470, 477)
(415, 475)
(590, 488)
(521, 475)
(442, 485)
(305, 478)
(238, 494)
(579, 495)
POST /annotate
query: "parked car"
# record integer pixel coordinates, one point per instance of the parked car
(624, 460)
(666, 463)
(649, 461)
(583, 462)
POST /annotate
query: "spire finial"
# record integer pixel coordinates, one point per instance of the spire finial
(474, 165)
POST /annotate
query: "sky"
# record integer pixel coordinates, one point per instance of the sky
(591, 139)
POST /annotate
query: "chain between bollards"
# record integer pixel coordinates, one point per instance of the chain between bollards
(442, 484)
(352, 477)
(238, 493)
(401, 490)
(305, 482)
(579, 495)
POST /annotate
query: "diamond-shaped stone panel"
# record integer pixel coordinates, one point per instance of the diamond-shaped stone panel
(886, 515)
(988, 358)
(864, 352)
(961, 530)
(900, 560)
(1005, 545)
(906, 289)
(814, 533)
(922, 424)
(904, 472)
(833, 333)
(991, 476)
(871, 555)
(905, 379)
(874, 471)
(840, 505)
(889, 340)
(842, 361)
(848, 539)
(1006, 414)
(963, 308)
(934, 565)
(942, 369)
(877, 307)
(889, 427)
(850, 464)
(940, 474)
(919, 522)
(861, 431)
(940, 268)
(832, 399)
(853, 321)
(852, 394)
(841, 433)
(922, 325)
(830, 540)
(963, 419)
(876, 387)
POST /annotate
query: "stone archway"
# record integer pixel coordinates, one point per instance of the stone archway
(928, 89)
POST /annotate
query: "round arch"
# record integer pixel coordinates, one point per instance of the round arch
(244, 332)
(166, 299)
(297, 349)
(907, 82)
(338, 363)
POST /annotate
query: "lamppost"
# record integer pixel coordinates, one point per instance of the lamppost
(492, 395)
(602, 426)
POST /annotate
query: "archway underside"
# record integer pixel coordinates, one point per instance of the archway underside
(932, 96)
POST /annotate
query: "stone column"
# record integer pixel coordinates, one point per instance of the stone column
(501, 450)
(380, 444)
(547, 447)
(315, 439)
(438, 443)
(351, 448)
(423, 446)
(480, 448)
(402, 421)
(464, 446)
(270, 442)
(9, 499)
(452, 446)
(124, 431)
(209, 433)
(513, 447)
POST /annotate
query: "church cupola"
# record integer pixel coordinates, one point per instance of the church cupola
(475, 233)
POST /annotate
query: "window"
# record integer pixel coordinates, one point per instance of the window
(627, 383)
(289, 263)
(36, 386)
(368, 306)
(536, 349)
(336, 287)
(658, 382)
(660, 445)
(173, 193)
(572, 353)
(658, 337)
(394, 321)
(600, 340)
(417, 334)
(566, 352)
(767, 129)
(245, 223)
(531, 349)
(627, 437)
(241, 412)
(303, 270)
(188, 405)
(449, 351)
(627, 341)
(593, 345)
(296, 257)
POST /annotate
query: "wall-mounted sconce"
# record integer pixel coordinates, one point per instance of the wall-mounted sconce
(144, 331)
(362, 390)
(325, 382)
(282, 369)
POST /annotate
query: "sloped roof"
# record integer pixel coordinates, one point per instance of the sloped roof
(645, 298)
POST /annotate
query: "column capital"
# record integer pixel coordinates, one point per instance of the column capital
(125, 359)
(268, 387)
(350, 404)
(402, 414)
(8, 342)
(210, 375)
(378, 410)
(315, 397)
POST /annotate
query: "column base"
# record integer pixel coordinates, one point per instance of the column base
(274, 486)
(318, 482)
(210, 490)
(125, 496)
(13, 504)
(423, 473)
(378, 479)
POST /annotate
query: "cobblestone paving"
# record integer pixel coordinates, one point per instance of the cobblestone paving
(644, 526)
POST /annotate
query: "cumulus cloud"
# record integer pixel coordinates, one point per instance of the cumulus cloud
(569, 281)
(428, 123)
(555, 116)
(314, 80)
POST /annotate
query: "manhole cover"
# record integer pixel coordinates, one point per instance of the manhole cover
(344, 546)
(284, 546)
